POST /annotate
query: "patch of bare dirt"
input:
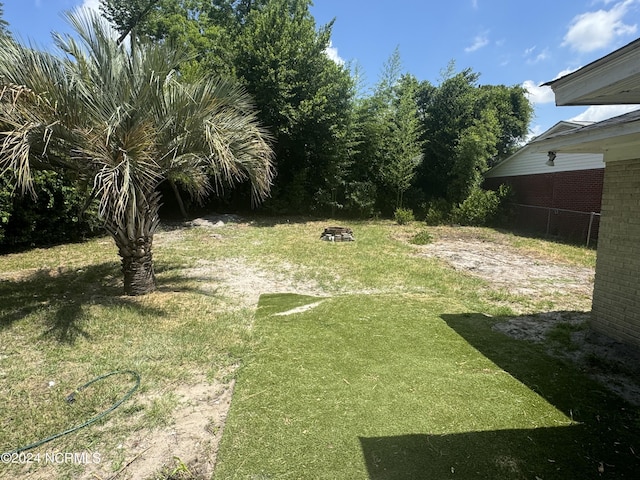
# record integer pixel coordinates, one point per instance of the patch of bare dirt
(190, 442)
(243, 283)
(613, 364)
(506, 268)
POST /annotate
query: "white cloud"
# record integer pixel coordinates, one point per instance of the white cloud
(332, 53)
(474, 4)
(534, 132)
(596, 30)
(479, 42)
(531, 59)
(538, 94)
(596, 113)
(541, 56)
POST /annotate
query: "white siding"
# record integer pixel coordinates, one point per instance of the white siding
(529, 162)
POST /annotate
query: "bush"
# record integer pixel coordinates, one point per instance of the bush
(403, 216)
(421, 238)
(437, 212)
(361, 199)
(483, 207)
(58, 214)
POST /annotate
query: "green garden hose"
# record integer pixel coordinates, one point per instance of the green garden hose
(71, 398)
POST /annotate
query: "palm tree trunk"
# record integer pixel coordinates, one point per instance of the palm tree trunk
(137, 266)
(133, 235)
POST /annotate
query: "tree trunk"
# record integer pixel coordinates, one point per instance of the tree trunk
(137, 267)
(176, 192)
(133, 235)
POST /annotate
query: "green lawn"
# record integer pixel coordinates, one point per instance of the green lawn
(395, 374)
(411, 387)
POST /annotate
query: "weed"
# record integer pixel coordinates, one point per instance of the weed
(561, 335)
(423, 237)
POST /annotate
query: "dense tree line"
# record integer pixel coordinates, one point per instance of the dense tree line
(338, 149)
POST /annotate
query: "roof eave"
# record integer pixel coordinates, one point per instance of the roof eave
(598, 83)
(615, 142)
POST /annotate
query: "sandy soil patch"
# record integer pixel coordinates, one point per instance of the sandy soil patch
(192, 440)
(506, 268)
(243, 283)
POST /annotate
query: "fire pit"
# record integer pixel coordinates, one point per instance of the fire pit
(337, 234)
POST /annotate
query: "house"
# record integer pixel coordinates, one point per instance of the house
(560, 198)
(613, 79)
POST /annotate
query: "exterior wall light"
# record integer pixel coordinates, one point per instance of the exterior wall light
(551, 161)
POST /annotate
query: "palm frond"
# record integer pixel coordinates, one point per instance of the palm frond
(123, 117)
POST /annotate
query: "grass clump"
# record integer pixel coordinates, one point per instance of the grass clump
(561, 334)
(423, 237)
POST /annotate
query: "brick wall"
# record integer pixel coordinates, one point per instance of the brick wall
(616, 296)
(579, 190)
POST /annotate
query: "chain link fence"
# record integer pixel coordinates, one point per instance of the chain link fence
(561, 223)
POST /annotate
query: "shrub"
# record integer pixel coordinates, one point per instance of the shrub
(484, 207)
(507, 209)
(58, 214)
(437, 212)
(403, 216)
(423, 237)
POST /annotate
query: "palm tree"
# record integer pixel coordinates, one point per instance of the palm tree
(125, 120)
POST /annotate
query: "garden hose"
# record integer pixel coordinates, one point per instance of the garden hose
(71, 398)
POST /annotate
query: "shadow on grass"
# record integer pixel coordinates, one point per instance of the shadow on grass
(602, 442)
(62, 295)
(501, 454)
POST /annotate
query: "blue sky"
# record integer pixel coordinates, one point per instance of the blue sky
(507, 41)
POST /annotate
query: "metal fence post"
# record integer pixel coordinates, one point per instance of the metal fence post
(590, 225)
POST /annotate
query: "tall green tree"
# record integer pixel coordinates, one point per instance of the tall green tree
(124, 120)
(448, 111)
(127, 16)
(208, 29)
(303, 96)
(364, 177)
(404, 146)
(388, 133)
(513, 111)
(467, 127)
